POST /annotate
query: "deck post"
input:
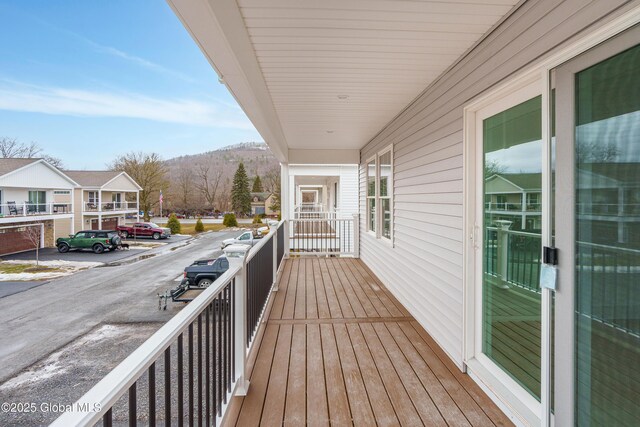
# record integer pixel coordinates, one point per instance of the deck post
(274, 283)
(356, 235)
(240, 321)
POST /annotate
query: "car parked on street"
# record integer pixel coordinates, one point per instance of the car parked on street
(144, 229)
(96, 240)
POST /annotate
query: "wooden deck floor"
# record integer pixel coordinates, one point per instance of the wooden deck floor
(338, 349)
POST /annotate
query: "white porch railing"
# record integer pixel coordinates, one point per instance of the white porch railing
(327, 235)
(33, 209)
(200, 354)
(109, 206)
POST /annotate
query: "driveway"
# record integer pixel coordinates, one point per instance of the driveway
(58, 339)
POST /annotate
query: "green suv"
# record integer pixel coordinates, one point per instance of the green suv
(96, 240)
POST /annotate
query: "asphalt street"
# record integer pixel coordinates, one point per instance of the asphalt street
(36, 322)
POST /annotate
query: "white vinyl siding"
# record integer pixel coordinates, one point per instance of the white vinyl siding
(424, 268)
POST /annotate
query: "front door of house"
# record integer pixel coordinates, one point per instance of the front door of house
(597, 232)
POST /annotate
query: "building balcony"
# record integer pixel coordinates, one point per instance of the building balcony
(20, 211)
(293, 341)
(109, 207)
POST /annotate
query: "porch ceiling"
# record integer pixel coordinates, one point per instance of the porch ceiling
(290, 63)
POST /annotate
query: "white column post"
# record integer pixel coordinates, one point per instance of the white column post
(285, 204)
(274, 284)
(137, 206)
(240, 313)
(99, 209)
(356, 235)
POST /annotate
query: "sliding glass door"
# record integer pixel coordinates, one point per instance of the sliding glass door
(598, 234)
(512, 174)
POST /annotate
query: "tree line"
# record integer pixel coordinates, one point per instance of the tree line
(192, 189)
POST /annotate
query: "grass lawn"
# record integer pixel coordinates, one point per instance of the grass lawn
(10, 268)
(191, 228)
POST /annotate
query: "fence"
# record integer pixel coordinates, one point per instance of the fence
(217, 327)
(324, 236)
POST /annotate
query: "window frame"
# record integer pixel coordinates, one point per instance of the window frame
(370, 230)
(389, 196)
(379, 214)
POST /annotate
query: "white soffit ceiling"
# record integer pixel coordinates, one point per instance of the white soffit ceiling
(329, 74)
(379, 53)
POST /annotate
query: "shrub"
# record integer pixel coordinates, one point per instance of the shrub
(199, 226)
(263, 215)
(257, 219)
(230, 220)
(174, 224)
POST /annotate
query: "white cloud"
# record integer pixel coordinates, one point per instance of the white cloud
(17, 96)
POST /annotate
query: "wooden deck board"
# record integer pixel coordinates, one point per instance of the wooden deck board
(339, 350)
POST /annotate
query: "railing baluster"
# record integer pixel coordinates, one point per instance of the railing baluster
(152, 395)
(191, 413)
(214, 355)
(167, 387)
(133, 405)
(207, 365)
(200, 408)
(219, 351)
(107, 420)
(232, 302)
(180, 382)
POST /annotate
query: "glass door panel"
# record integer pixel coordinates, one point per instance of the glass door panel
(511, 298)
(607, 247)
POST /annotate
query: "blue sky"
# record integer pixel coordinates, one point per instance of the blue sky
(89, 80)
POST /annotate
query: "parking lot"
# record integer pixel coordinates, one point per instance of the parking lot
(58, 339)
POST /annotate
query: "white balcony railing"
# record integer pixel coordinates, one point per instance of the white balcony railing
(327, 235)
(109, 206)
(200, 354)
(11, 209)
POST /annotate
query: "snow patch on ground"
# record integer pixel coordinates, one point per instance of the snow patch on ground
(66, 268)
(58, 363)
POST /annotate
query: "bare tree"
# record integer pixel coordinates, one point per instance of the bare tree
(33, 233)
(271, 180)
(185, 184)
(208, 182)
(11, 147)
(148, 170)
(596, 152)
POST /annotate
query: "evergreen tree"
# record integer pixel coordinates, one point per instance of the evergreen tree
(199, 226)
(257, 185)
(174, 224)
(240, 195)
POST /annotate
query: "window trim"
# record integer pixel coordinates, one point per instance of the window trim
(373, 160)
(389, 196)
(379, 215)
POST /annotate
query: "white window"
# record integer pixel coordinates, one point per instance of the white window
(380, 194)
(371, 195)
(384, 193)
(93, 196)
